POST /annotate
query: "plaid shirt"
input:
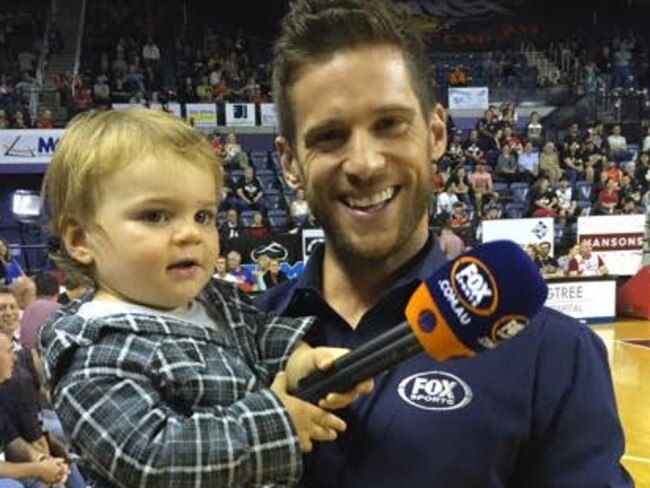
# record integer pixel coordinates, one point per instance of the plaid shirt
(148, 401)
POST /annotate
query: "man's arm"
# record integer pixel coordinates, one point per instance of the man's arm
(576, 434)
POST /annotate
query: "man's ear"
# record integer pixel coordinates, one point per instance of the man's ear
(438, 129)
(290, 169)
(75, 239)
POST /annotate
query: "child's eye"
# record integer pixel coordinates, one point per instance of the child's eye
(204, 217)
(155, 216)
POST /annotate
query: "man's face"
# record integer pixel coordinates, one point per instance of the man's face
(585, 249)
(363, 153)
(234, 260)
(9, 312)
(544, 249)
(6, 358)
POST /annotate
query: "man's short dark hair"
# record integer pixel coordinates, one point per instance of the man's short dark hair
(46, 285)
(313, 30)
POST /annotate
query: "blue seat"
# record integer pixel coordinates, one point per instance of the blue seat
(501, 189)
(515, 210)
(273, 198)
(519, 191)
(246, 217)
(279, 220)
(584, 191)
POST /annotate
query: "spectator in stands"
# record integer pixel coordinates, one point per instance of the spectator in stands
(509, 138)
(20, 394)
(549, 163)
(506, 168)
(573, 135)
(629, 189)
(617, 144)
(4, 123)
(642, 171)
(102, 91)
(543, 202)
(528, 163)
(151, 53)
(473, 152)
(532, 251)
(608, 198)
(597, 134)
(610, 171)
(535, 130)
(299, 209)
(445, 202)
(233, 155)
(546, 263)
(622, 75)
(245, 278)
(221, 271)
(250, 191)
(572, 164)
(629, 207)
(585, 263)
(19, 121)
(35, 315)
(274, 275)
(23, 289)
(231, 228)
(481, 184)
(459, 219)
(457, 77)
(258, 229)
(592, 158)
(45, 120)
(451, 244)
(566, 203)
(645, 145)
(30, 468)
(461, 186)
(9, 267)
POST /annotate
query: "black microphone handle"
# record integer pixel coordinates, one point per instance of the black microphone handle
(342, 378)
(396, 333)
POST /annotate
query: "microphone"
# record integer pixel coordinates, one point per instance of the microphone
(469, 305)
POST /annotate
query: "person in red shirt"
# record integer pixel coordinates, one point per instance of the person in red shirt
(608, 198)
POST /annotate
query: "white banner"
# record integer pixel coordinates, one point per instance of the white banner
(203, 114)
(617, 239)
(28, 145)
(240, 114)
(521, 231)
(268, 115)
(310, 237)
(469, 98)
(585, 300)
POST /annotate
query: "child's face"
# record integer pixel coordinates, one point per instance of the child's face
(154, 241)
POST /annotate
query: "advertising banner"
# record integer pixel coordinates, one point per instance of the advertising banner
(617, 239)
(240, 114)
(28, 145)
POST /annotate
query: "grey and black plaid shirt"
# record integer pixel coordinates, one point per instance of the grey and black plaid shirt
(150, 401)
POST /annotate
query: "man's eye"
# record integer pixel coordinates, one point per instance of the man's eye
(391, 124)
(204, 217)
(155, 216)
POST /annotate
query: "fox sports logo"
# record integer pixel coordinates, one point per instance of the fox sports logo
(435, 390)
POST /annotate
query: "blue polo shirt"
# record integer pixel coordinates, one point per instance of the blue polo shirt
(537, 412)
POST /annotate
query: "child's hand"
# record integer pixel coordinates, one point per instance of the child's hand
(310, 422)
(306, 359)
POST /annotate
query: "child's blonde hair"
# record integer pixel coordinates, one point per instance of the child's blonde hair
(96, 145)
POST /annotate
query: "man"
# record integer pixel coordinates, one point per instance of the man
(35, 315)
(245, 278)
(546, 263)
(587, 263)
(30, 468)
(537, 412)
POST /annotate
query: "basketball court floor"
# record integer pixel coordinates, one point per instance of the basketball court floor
(628, 346)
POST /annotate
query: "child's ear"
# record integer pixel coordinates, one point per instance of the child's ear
(75, 240)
